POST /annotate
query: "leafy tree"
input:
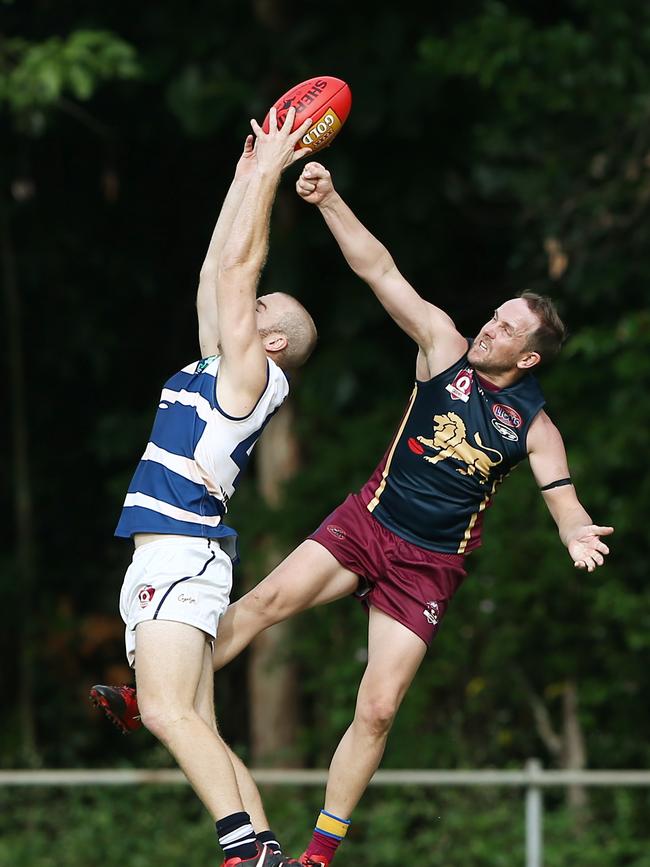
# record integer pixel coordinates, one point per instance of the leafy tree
(35, 80)
(495, 147)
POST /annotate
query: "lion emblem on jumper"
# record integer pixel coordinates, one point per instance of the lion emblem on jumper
(450, 441)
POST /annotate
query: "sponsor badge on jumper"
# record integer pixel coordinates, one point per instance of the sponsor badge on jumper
(461, 387)
(204, 362)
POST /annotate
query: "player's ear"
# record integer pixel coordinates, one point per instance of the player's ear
(274, 342)
(528, 360)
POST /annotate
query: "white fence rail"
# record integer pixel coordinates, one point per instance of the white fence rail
(532, 778)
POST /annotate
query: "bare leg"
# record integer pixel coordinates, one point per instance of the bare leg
(170, 660)
(307, 577)
(394, 655)
(248, 791)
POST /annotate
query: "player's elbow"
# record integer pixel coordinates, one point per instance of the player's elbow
(237, 278)
(208, 275)
(376, 271)
(240, 260)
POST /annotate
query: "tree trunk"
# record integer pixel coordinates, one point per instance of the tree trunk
(574, 752)
(25, 542)
(271, 676)
(568, 748)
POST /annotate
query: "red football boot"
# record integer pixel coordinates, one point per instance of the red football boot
(314, 860)
(120, 704)
(264, 858)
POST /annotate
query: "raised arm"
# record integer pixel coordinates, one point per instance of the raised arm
(429, 326)
(549, 464)
(243, 369)
(206, 296)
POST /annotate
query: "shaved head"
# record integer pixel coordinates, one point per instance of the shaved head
(283, 314)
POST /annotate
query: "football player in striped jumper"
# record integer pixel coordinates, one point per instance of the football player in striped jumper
(209, 417)
(401, 542)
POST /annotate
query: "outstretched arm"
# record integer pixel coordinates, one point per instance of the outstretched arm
(430, 327)
(243, 369)
(548, 461)
(206, 297)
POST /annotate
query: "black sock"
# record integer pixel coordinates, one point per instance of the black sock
(271, 841)
(236, 836)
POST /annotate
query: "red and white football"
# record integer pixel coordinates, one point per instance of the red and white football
(326, 100)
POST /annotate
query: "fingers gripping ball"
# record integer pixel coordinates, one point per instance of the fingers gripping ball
(326, 100)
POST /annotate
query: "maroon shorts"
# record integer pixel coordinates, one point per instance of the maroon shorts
(411, 584)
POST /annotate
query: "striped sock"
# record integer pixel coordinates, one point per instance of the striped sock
(236, 836)
(328, 835)
(271, 841)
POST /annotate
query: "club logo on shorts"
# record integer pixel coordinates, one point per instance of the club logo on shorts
(337, 532)
(145, 596)
(432, 613)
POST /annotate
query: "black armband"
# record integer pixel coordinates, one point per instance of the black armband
(558, 484)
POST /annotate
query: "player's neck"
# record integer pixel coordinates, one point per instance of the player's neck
(495, 380)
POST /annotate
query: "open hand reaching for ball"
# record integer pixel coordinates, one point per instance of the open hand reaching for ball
(314, 184)
(277, 148)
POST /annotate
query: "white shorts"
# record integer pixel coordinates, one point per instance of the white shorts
(186, 580)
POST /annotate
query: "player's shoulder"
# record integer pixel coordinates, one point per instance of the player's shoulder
(542, 432)
(443, 356)
(542, 421)
(271, 394)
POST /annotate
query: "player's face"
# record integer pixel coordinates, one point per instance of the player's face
(501, 342)
(268, 309)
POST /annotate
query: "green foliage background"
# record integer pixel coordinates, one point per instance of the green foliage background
(494, 147)
(452, 828)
